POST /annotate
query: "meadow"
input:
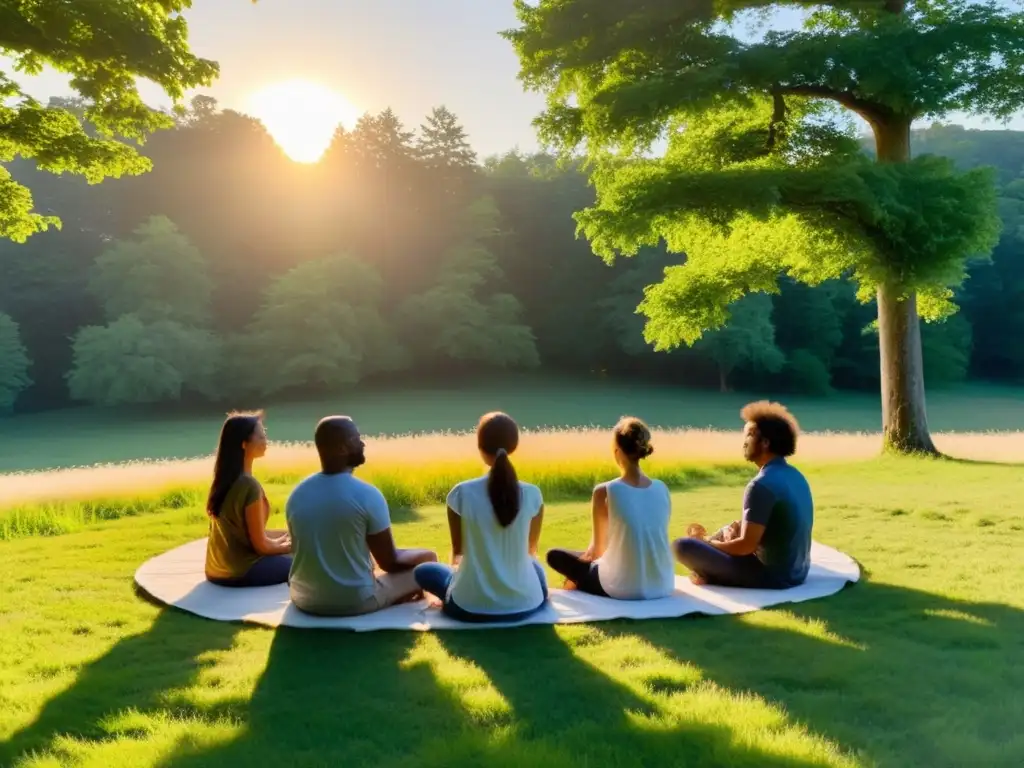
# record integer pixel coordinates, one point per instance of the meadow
(917, 665)
(88, 436)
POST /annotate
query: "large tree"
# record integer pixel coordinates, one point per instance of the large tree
(103, 45)
(155, 293)
(757, 180)
(463, 317)
(156, 275)
(320, 327)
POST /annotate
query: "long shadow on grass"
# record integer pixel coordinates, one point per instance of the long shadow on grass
(135, 674)
(331, 698)
(399, 699)
(575, 714)
(899, 676)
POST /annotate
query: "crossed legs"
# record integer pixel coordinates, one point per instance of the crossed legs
(712, 566)
(583, 573)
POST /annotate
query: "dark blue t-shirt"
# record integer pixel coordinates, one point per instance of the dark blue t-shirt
(779, 498)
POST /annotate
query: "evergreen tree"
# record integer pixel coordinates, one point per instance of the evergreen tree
(443, 143)
(383, 140)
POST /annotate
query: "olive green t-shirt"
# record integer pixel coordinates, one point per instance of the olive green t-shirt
(229, 552)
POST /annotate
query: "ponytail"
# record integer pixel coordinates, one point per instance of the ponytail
(503, 489)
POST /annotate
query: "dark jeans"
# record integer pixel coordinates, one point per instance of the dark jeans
(722, 569)
(436, 578)
(567, 562)
(265, 572)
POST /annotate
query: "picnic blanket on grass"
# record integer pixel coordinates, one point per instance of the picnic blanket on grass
(176, 578)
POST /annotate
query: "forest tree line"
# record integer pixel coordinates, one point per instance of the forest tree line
(231, 273)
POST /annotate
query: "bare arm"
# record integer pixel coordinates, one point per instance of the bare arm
(758, 503)
(746, 543)
(535, 526)
(381, 542)
(255, 525)
(455, 531)
(390, 559)
(599, 513)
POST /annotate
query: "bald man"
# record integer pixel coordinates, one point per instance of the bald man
(336, 522)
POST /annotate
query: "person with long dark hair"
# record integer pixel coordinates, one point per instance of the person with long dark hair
(241, 552)
(495, 524)
(629, 557)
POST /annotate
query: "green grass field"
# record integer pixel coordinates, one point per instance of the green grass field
(92, 436)
(920, 664)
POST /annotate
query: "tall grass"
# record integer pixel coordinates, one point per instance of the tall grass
(419, 471)
(405, 488)
(53, 518)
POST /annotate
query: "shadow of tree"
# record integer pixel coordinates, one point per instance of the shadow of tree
(979, 462)
(576, 714)
(561, 711)
(892, 675)
(898, 676)
(330, 698)
(135, 674)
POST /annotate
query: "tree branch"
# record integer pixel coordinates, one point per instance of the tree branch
(868, 110)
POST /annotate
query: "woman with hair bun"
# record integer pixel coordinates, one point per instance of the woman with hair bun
(495, 523)
(630, 557)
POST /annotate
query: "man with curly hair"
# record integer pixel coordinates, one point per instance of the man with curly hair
(770, 546)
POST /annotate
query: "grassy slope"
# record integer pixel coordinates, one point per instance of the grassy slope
(91, 436)
(920, 664)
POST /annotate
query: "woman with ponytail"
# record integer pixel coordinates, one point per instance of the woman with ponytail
(495, 523)
(629, 557)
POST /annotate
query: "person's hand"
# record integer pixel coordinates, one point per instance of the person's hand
(731, 531)
(697, 531)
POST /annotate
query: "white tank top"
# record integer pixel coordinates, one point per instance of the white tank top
(638, 564)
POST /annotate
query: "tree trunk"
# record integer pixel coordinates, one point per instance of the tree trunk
(904, 416)
(723, 379)
(904, 419)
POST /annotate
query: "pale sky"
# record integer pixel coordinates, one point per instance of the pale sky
(410, 55)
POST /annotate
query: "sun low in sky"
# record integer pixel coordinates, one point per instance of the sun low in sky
(302, 116)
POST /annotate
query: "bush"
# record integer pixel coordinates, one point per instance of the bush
(807, 374)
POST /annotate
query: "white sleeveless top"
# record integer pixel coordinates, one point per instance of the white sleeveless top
(497, 574)
(638, 564)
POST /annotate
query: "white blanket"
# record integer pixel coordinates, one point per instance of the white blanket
(176, 578)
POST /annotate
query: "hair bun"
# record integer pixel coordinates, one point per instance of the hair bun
(648, 451)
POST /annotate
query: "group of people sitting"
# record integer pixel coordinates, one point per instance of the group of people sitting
(339, 557)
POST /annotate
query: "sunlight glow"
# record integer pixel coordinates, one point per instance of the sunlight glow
(302, 116)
